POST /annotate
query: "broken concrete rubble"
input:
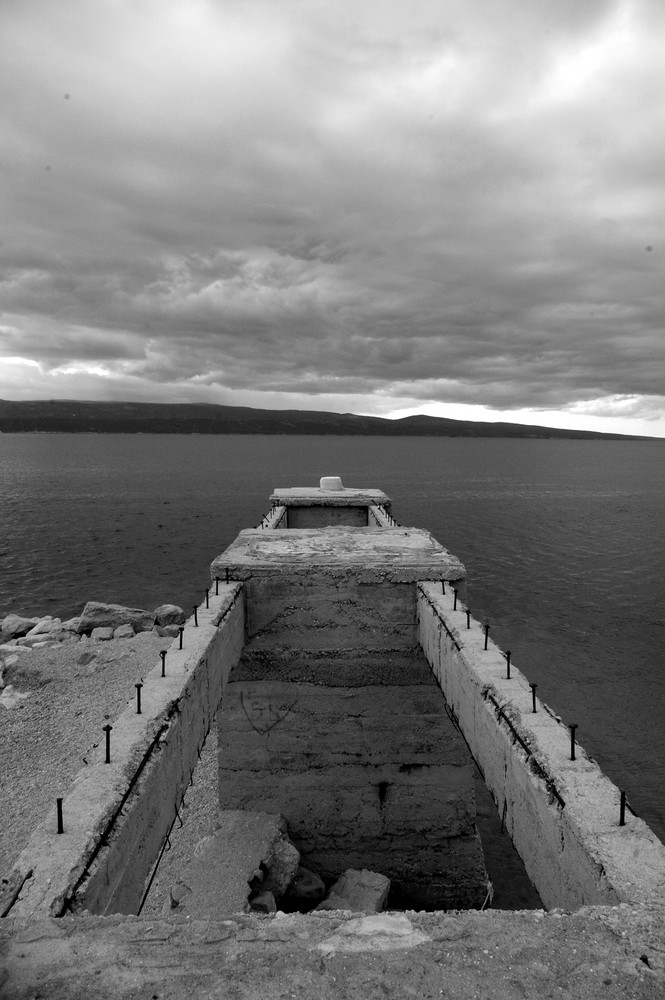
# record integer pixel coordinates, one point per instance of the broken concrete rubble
(305, 891)
(360, 891)
(248, 854)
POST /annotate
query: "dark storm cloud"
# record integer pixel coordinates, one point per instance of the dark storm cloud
(431, 202)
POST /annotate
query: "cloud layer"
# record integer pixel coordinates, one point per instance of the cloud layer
(354, 206)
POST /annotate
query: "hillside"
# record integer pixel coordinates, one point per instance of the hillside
(80, 416)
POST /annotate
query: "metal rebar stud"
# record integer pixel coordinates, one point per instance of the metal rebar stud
(180, 631)
(227, 574)
(454, 600)
(487, 633)
(443, 586)
(207, 602)
(138, 697)
(58, 806)
(162, 653)
(216, 586)
(196, 620)
(533, 694)
(572, 728)
(508, 665)
(468, 618)
(622, 810)
(107, 730)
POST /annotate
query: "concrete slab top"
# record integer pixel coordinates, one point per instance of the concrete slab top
(343, 546)
(314, 496)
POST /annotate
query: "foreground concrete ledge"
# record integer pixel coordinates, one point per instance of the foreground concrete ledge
(396, 553)
(314, 496)
(602, 952)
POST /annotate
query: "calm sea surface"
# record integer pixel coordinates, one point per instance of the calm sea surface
(564, 544)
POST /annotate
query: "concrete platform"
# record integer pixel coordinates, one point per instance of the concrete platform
(607, 953)
(314, 496)
(394, 554)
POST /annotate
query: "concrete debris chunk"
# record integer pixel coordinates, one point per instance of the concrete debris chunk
(306, 888)
(263, 902)
(281, 867)
(237, 861)
(360, 891)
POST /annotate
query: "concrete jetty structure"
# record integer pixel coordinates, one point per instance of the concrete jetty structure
(353, 690)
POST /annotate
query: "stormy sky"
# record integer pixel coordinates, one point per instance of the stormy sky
(445, 206)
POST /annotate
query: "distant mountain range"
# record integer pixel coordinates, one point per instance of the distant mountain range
(79, 417)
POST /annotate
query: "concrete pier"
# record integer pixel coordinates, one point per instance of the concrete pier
(351, 689)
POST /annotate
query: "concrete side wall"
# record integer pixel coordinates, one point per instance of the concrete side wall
(562, 814)
(322, 610)
(276, 518)
(325, 517)
(379, 517)
(117, 815)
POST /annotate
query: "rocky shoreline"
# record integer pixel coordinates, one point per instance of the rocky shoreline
(97, 620)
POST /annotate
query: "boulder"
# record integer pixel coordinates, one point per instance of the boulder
(306, 889)
(177, 894)
(102, 633)
(169, 614)
(282, 865)
(99, 615)
(10, 697)
(15, 626)
(361, 891)
(124, 632)
(171, 631)
(30, 641)
(263, 902)
(45, 625)
(52, 638)
(72, 624)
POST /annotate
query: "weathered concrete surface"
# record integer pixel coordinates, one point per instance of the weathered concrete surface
(562, 814)
(599, 954)
(371, 555)
(366, 776)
